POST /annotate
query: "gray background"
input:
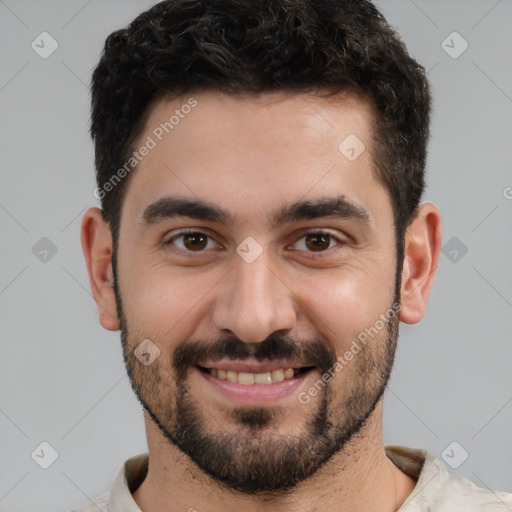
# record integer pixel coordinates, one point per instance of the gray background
(62, 379)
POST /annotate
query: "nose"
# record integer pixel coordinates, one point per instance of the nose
(254, 301)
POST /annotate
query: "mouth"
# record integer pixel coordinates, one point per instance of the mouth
(249, 378)
(254, 383)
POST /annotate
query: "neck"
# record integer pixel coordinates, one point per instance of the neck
(360, 477)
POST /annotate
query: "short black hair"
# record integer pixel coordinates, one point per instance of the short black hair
(255, 46)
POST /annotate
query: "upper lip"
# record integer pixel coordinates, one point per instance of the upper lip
(252, 366)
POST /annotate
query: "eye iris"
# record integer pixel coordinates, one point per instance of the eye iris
(195, 241)
(317, 242)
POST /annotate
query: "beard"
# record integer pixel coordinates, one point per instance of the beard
(253, 456)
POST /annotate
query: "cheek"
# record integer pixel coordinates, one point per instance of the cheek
(162, 295)
(158, 305)
(168, 306)
(344, 304)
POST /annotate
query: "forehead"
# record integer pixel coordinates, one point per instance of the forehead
(252, 154)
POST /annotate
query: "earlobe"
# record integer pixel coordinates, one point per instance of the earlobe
(421, 258)
(97, 247)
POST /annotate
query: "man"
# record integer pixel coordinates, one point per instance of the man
(261, 166)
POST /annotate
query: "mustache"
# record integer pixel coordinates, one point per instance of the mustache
(306, 353)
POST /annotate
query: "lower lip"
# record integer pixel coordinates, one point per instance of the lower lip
(256, 393)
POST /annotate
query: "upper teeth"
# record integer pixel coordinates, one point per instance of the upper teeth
(253, 378)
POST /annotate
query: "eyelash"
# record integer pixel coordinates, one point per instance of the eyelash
(332, 237)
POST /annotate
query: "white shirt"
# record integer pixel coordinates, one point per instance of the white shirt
(436, 490)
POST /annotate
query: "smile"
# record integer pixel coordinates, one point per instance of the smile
(248, 378)
(254, 382)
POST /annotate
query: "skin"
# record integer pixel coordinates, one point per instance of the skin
(250, 156)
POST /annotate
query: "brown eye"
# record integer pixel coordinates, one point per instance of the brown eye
(191, 242)
(318, 241)
(195, 241)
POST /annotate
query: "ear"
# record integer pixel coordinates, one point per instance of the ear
(421, 258)
(97, 246)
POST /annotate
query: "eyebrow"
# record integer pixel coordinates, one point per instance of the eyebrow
(169, 207)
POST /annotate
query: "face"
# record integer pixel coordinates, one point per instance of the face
(255, 272)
